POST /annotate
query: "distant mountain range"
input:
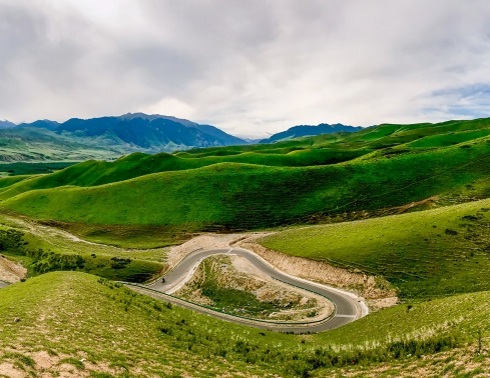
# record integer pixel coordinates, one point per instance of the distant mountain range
(138, 130)
(307, 130)
(6, 124)
(110, 137)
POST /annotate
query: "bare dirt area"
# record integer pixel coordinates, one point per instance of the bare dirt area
(238, 274)
(22, 363)
(205, 241)
(11, 272)
(375, 290)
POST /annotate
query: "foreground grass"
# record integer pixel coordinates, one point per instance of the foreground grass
(425, 254)
(91, 326)
(98, 327)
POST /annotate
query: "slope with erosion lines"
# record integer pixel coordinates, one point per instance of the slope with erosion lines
(240, 196)
(425, 254)
(387, 140)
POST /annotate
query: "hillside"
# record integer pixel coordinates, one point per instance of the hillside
(425, 254)
(226, 190)
(437, 258)
(6, 124)
(75, 309)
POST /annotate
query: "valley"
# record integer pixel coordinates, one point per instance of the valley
(395, 215)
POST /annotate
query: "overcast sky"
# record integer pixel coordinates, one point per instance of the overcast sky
(251, 67)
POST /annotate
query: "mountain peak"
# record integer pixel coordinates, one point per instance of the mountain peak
(152, 117)
(4, 124)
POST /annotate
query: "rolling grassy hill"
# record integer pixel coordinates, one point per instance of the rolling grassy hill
(438, 259)
(425, 254)
(78, 323)
(42, 249)
(231, 195)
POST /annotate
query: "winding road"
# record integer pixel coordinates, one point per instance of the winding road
(348, 307)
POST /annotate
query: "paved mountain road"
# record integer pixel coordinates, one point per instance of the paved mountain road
(348, 307)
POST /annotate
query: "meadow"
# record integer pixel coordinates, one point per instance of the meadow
(424, 254)
(438, 258)
(175, 341)
(252, 190)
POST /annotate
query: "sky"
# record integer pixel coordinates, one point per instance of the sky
(252, 68)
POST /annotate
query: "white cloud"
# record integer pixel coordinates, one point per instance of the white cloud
(253, 67)
(170, 106)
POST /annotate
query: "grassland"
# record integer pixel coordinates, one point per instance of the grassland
(438, 259)
(42, 248)
(425, 254)
(92, 327)
(228, 195)
(25, 168)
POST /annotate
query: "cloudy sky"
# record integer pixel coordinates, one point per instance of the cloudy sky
(251, 67)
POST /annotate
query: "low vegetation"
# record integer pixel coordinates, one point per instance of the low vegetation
(42, 249)
(424, 254)
(27, 168)
(175, 341)
(219, 285)
(438, 259)
(230, 196)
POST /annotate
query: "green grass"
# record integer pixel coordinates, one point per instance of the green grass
(127, 236)
(110, 326)
(424, 254)
(438, 259)
(320, 150)
(115, 331)
(144, 200)
(25, 168)
(236, 196)
(43, 249)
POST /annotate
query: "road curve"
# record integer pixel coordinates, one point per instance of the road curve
(348, 307)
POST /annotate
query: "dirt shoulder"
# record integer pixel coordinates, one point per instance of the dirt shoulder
(377, 292)
(237, 273)
(11, 272)
(206, 241)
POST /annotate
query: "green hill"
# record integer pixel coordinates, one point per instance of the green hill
(239, 196)
(313, 151)
(88, 326)
(74, 322)
(425, 254)
(41, 249)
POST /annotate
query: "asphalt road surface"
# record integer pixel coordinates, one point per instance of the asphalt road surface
(348, 307)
